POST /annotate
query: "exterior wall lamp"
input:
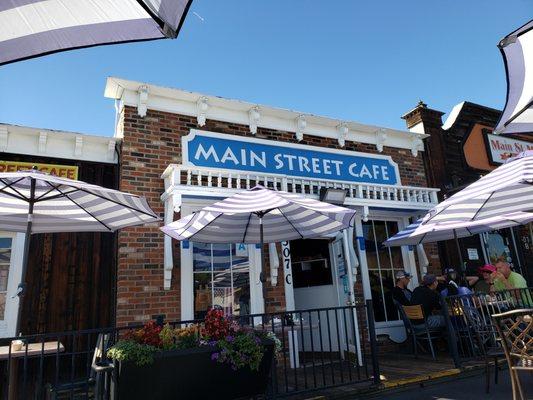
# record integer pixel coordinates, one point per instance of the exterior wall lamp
(333, 196)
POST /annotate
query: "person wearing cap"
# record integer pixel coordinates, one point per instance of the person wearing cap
(485, 284)
(400, 292)
(427, 296)
(453, 288)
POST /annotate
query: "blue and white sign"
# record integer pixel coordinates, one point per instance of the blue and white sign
(217, 150)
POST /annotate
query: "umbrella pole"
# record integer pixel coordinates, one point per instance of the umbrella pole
(262, 275)
(459, 252)
(27, 237)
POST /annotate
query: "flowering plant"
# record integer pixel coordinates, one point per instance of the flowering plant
(234, 345)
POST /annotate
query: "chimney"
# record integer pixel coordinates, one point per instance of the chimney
(422, 119)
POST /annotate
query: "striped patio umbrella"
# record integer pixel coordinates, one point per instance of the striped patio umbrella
(417, 233)
(517, 52)
(507, 189)
(32, 28)
(36, 202)
(261, 216)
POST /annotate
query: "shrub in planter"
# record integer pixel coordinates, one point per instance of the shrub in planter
(218, 357)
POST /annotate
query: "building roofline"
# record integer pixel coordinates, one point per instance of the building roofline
(25, 140)
(147, 96)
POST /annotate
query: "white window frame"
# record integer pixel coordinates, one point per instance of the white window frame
(392, 328)
(7, 325)
(187, 274)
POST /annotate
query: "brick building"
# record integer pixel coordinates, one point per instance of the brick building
(458, 152)
(184, 150)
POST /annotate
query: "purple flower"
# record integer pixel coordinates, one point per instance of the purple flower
(214, 356)
(230, 338)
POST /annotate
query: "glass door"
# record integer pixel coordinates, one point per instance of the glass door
(221, 278)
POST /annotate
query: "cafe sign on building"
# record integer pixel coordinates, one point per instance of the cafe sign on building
(220, 151)
(64, 171)
(500, 148)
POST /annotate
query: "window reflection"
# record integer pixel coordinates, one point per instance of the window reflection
(221, 278)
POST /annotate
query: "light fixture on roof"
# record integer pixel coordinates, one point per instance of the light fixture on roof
(333, 196)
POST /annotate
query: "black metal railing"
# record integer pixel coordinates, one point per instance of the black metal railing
(320, 348)
(472, 333)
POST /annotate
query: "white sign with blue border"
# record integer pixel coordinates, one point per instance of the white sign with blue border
(221, 151)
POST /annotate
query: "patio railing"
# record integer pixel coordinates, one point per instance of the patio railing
(470, 326)
(321, 348)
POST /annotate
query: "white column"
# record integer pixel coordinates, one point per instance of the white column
(287, 275)
(349, 271)
(187, 281)
(362, 259)
(257, 305)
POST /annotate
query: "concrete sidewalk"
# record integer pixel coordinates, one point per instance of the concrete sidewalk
(459, 388)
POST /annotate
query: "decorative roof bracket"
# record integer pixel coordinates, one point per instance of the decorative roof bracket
(253, 115)
(142, 106)
(43, 137)
(201, 110)
(381, 137)
(301, 124)
(342, 130)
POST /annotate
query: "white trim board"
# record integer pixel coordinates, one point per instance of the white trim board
(145, 96)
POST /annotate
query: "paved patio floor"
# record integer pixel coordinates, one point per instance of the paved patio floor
(457, 388)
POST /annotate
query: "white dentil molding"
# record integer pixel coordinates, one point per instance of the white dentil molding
(238, 112)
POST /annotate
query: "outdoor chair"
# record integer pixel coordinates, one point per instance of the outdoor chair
(484, 333)
(516, 332)
(96, 382)
(419, 332)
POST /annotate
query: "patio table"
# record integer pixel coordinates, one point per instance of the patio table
(30, 350)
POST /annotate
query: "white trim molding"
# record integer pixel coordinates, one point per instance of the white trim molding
(183, 102)
(57, 144)
(343, 133)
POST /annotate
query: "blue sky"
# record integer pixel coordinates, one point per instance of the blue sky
(366, 61)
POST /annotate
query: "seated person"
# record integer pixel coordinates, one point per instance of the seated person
(505, 279)
(485, 285)
(426, 295)
(452, 287)
(400, 292)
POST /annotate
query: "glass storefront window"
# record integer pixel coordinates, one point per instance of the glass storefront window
(221, 279)
(382, 262)
(5, 262)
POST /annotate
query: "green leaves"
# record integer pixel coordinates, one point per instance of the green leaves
(130, 351)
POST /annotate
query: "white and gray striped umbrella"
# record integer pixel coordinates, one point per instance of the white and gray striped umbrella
(283, 216)
(32, 28)
(66, 205)
(507, 189)
(517, 52)
(418, 233)
(36, 202)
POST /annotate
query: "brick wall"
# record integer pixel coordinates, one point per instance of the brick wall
(149, 145)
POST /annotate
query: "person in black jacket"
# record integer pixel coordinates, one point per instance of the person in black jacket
(400, 292)
(427, 296)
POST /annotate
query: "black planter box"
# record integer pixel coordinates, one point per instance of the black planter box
(190, 374)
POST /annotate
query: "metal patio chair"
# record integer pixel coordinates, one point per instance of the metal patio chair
(419, 332)
(515, 329)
